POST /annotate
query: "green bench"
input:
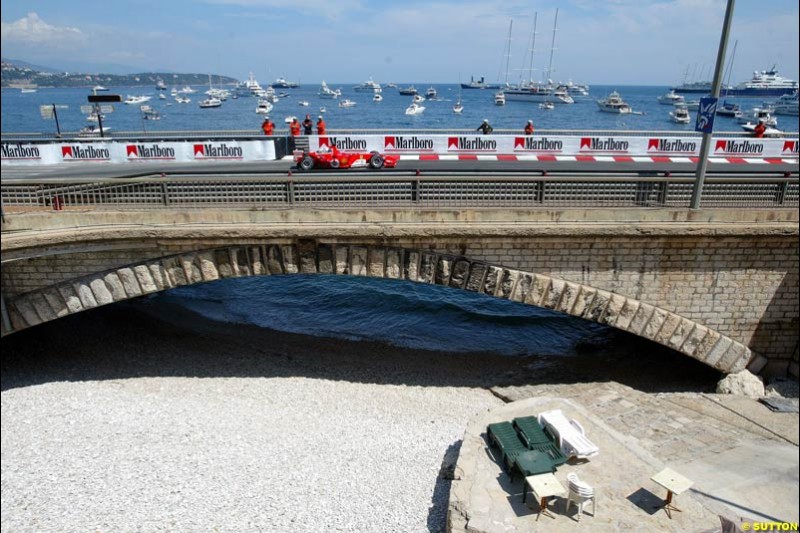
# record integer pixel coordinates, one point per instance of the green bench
(505, 438)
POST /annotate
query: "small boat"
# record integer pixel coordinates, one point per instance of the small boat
(458, 108)
(160, 85)
(263, 107)
(680, 115)
(323, 110)
(162, 96)
(408, 91)
(418, 99)
(27, 91)
(377, 98)
(99, 88)
(187, 90)
(728, 109)
(136, 100)
(430, 94)
(757, 114)
(347, 103)
(210, 102)
(94, 116)
(327, 92)
(303, 103)
(92, 131)
(691, 105)
(284, 95)
(786, 105)
(148, 113)
(548, 106)
(671, 98)
(614, 104)
(415, 109)
(183, 99)
(391, 85)
(289, 119)
(500, 98)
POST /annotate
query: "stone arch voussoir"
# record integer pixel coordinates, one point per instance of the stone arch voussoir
(422, 266)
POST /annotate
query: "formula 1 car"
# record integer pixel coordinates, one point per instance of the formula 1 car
(336, 159)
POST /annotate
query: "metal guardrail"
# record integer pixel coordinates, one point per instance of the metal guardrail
(392, 191)
(256, 134)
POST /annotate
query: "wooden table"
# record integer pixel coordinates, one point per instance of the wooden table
(543, 487)
(675, 484)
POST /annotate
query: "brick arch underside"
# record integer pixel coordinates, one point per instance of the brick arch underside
(423, 266)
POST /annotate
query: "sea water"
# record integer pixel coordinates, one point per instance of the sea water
(20, 112)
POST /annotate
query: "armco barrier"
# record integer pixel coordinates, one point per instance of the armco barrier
(20, 153)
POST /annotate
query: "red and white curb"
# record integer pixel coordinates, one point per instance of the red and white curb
(596, 159)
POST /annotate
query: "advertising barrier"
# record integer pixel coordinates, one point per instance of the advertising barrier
(139, 151)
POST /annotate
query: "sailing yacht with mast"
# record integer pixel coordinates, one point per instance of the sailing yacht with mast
(500, 97)
(542, 92)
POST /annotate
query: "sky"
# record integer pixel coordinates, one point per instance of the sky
(627, 42)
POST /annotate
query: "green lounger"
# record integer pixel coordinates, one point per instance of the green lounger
(505, 438)
(537, 438)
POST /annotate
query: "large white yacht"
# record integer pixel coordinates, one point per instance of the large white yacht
(764, 83)
(613, 103)
(671, 98)
(536, 92)
(786, 105)
(368, 86)
(327, 92)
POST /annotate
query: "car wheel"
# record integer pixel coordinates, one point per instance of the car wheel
(306, 164)
(335, 163)
(376, 161)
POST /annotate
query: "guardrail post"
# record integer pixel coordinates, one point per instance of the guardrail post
(540, 192)
(164, 193)
(782, 190)
(662, 194)
(290, 192)
(415, 191)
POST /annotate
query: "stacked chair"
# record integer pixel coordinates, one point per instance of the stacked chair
(579, 494)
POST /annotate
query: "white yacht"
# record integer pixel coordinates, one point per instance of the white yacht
(613, 103)
(764, 83)
(756, 114)
(418, 99)
(499, 98)
(347, 103)
(458, 108)
(281, 83)
(671, 98)
(327, 92)
(415, 109)
(786, 105)
(263, 107)
(691, 105)
(251, 85)
(535, 92)
(368, 86)
(92, 131)
(148, 113)
(160, 85)
(183, 99)
(99, 88)
(162, 96)
(210, 102)
(680, 115)
(547, 106)
(377, 98)
(135, 100)
(430, 94)
(575, 89)
(27, 90)
(187, 90)
(303, 103)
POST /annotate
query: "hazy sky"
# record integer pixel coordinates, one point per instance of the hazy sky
(616, 41)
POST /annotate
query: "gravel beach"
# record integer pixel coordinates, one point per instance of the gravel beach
(121, 420)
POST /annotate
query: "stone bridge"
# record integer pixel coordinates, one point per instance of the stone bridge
(720, 286)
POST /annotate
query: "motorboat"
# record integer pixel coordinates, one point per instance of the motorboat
(458, 108)
(263, 107)
(547, 106)
(680, 115)
(327, 92)
(757, 114)
(94, 116)
(148, 113)
(136, 100)
(368, 86)
(289, 119)
(160, 85)
(691, 105)
(613, 103)
(728, 109)
(183, 99)
(415, 109)
(671, 98)
(323, 110)
(27, 90)
(281, 83)
(535, 92)
(92, 131)
(500, 98)
(377, 98)
(391, 85)
(786, 105)
(303, 103)
(210, 102)
(162, 96)
(347, 103)
(576, 89)
(418, 99)
(99, 88)
(430, 94)
(187, 90)
(764, 83)
(408, 91)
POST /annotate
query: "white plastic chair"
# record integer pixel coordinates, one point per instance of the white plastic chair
(579, 494)
(569, 434)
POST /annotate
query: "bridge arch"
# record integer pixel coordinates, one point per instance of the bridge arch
(417, 265)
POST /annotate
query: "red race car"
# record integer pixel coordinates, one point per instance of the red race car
(335, 159)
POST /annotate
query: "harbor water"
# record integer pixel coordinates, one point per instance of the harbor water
(20, 111)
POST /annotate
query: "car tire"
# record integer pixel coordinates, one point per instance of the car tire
(376, 161)
(335, 163)
(306, 164)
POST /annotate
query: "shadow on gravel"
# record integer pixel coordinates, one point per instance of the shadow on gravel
(129, 341)
(437, 513)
